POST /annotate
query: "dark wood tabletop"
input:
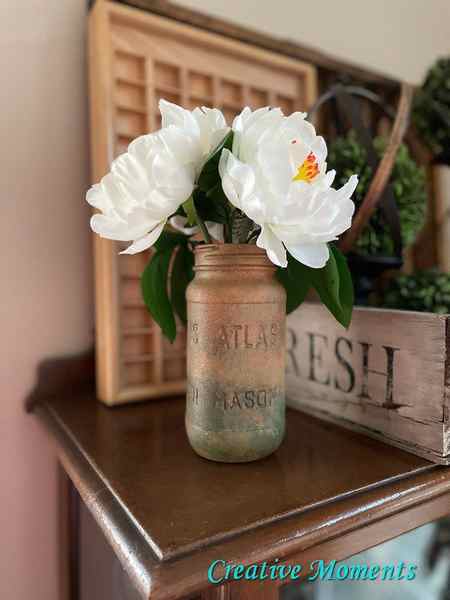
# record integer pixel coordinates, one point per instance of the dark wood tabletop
(326, 492)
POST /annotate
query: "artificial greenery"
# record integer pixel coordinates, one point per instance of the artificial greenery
(431, 110)
(425, 291)
(346, 155)
(333, 284)
(167, 275)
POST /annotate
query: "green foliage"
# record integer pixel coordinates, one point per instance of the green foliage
(425, 291)
(209, 176)
(167, 275)
(169, 239)
(333, 283)
(346, 295)
(210, 201)
(155, 293)
(157, 281)
(212, 204)
(169, 271)
(182, 274)
(348, 156)
(189, 211)
(431, 110)
(295, 280)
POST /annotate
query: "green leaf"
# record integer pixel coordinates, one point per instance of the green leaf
(189, 210)
(346, 292)
(170, 239)
(180, 211)
(334, 285)
(212, 206)
(182, 274)
(209, 176)
(326, 283)
(295, 279)
(154, 291)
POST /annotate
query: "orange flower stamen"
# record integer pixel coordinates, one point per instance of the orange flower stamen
(308, 169)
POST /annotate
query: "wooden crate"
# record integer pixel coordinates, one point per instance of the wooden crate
(388, 375)
(135, 59)
(440, 178)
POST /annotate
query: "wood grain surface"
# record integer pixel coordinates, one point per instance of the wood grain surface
(327, 493)
(387, 375)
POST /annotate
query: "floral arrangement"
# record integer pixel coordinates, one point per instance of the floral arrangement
(347, 155)
(263, 180)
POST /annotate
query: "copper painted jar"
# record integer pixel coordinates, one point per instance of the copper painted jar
(235, 354)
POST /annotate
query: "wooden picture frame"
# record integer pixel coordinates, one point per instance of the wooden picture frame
(135, 58)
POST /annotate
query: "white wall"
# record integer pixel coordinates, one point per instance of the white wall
(45, 257)
(397, 37)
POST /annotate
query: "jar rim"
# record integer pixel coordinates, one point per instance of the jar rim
(248, 249)
(231, 257)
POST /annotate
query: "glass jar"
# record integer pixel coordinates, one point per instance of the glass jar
(235, 354)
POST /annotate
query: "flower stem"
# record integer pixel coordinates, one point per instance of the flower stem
(253, 235)
(240, 227)
(202, 225)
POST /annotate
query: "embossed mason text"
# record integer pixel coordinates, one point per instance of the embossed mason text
(233, 400)
(247, 336)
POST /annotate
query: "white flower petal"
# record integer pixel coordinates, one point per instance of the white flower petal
(276, 168)
(259, 127)
(258, 178)
(215, 230)
(148, 183)
(272, 245)
(319, 149)
(182, 147)
(95, 197)
(178, 222)
(329, 178)
(238, 178)
(146, 241)
(348, 188)
(247, 116)
(116, 200)
(311, 255)
(113, 229)
(213, 127)
(295, 127)
(144, 146)
(174, 115)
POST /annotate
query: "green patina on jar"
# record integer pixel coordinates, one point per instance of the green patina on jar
(236, 354)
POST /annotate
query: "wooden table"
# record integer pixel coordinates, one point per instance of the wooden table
(326, 494)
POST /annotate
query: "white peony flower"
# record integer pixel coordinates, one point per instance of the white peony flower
(276, 174)
(180, 224)
(149, 182)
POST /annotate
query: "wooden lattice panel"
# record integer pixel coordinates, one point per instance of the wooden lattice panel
(136, 59)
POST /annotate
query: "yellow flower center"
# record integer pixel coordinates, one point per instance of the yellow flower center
(308, 169)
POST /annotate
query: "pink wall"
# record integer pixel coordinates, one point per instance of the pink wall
(45, 265)
(45, 254)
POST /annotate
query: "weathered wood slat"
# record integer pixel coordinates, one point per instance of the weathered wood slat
(387, 375)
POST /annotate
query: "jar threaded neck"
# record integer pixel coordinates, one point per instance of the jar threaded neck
(231, 256)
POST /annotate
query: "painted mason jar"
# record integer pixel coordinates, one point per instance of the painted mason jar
(235, 354)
